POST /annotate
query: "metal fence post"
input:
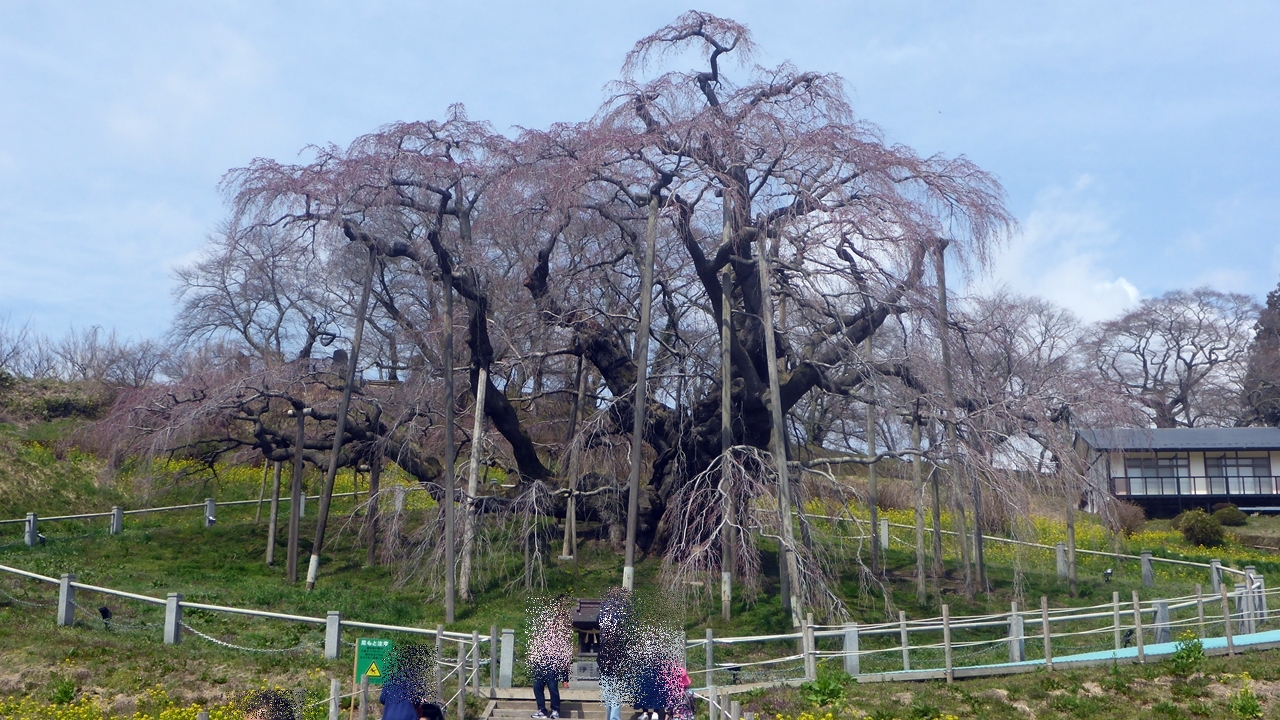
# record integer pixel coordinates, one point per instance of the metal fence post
(1061, 549)
(946, 642)
(1262, 598)
(493, 659)
(1017, 641)
(1200, 608)
(332, 635)
(1226, 620)
(852, 663)
(1044, 628)
(173, 619)
(906, 643)
(1148, 573)
(210, 512)
(508, 657)
(1215, 575)
(1160, 632)
(66, 601)
(439, 660)
(462, 680)
(475, 662)
(1137, 627)
(712, 713)
(117, 520)
(1115, 621)
(32, 532)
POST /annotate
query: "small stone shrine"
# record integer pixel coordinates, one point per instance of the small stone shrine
(586, 625)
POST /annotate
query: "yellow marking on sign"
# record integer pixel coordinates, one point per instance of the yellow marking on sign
(373, 670)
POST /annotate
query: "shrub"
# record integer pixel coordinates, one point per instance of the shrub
(1176, 522)
(1223, 506)
(1188, 656)
(1231, 517)
(1200, 528)
(1129, 518)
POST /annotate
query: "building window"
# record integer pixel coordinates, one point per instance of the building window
(1234, 475)
(1157, 475)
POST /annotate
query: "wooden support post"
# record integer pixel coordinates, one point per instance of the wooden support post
(31, 531)
(1215, 575)
(640, 396)
(727, 534)
(364, 698)
(852, 663)
(1148, 573)
(946, 642)
(262, 492)
(210, 512)
(335, 692)
(274, 521)
(1017, 635)
(117, 520)
(1115, 621)
(810, 659)
(903, 636)
(1200, 608)
(1046, 632)
(884, 537)
(1226, 619)
(202, 715)
(1137, 627)
(1061, 550)
(735, 710)
(710, 673)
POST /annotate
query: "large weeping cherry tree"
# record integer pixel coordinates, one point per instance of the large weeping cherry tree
(765, 202)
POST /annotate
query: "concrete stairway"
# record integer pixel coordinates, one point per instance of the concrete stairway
(503, 709)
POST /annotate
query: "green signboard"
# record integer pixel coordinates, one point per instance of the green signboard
(372, 657)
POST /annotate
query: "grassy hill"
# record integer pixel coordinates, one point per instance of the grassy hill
(91, 671)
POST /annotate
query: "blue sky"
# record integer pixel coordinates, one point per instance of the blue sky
(1138, 141)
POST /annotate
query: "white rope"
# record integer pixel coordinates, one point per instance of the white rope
(216, 641)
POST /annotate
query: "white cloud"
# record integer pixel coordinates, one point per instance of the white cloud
(1057, 255)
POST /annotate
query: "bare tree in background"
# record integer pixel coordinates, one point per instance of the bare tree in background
(1181, 357)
